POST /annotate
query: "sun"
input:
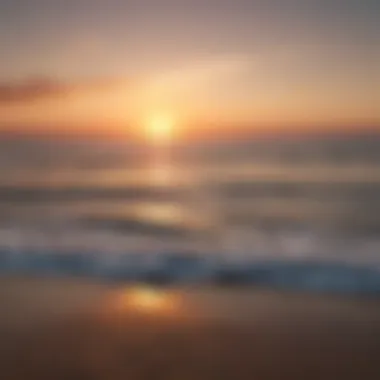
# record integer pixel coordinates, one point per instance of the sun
(160, 128)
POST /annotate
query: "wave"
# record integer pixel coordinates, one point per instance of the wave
(66, 194)
(174, 268)
(344, 190)
(136, 226)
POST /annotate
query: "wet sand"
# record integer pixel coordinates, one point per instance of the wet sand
(70, 329)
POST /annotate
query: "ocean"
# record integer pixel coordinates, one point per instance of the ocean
(284, 198)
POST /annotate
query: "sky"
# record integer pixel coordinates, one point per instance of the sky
(111, 65)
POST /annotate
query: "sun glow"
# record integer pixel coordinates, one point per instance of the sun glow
(160, 128)
(149, 300)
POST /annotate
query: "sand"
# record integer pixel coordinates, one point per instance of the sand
(72, 329)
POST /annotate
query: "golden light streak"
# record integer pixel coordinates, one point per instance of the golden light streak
(148, 300)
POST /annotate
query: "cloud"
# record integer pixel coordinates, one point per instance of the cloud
(33, 89)
(36, 89)
(199, 73)
(192, 83)
(170, 84)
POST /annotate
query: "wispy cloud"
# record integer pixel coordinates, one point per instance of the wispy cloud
(189, 84)
(29, 90)
(197, 74)
(36, 89)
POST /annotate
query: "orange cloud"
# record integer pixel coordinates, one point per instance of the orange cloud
(36, 89)
(29, 90)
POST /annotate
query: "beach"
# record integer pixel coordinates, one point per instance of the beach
(77, 329)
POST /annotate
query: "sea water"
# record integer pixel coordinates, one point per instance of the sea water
(239, 201)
